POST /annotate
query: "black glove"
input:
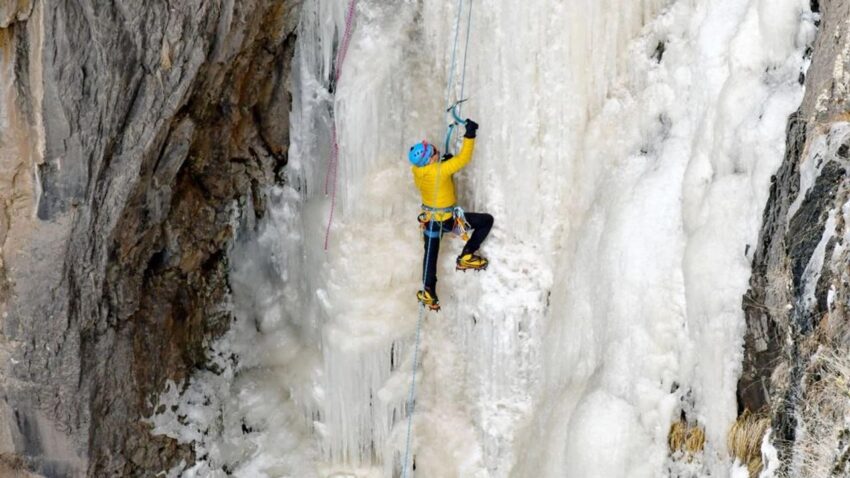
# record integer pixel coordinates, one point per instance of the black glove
(471, 128)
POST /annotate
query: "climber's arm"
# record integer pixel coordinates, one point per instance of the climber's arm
(458, 162)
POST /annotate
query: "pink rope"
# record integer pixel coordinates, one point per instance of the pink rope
(346, 39)
(332, 167)
(333, 162)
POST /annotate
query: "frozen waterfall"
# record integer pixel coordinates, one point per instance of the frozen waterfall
(625, 150)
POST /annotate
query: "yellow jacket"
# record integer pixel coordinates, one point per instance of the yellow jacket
(435, 180)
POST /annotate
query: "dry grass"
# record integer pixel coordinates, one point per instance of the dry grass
(11, 461)
(775, 298)
(13, 466)
(689, 439)
(744, 440)
(823, 440)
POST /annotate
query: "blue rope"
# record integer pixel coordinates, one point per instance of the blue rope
(411, 402)
(457, 108)
(465, 51)
(450, 130)
(454, 56)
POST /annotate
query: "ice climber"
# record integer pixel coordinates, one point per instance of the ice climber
(440, 215)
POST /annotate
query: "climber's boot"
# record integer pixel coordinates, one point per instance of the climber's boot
(471, 261)
(429, 299)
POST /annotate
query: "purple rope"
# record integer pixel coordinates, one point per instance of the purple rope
(333, 163)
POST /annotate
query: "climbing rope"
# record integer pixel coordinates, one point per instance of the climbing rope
(456, 108)
(453, 121)
(463, 70)
(333, 162)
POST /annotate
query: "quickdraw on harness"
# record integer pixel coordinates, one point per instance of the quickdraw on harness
(460, 227)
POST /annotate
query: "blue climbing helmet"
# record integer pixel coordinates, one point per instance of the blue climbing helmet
(420, 153)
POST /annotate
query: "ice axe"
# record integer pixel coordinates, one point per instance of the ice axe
(457, 121)
(453, 110)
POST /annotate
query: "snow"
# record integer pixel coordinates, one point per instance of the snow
(769, 456)
(625, 190)
(739, 470)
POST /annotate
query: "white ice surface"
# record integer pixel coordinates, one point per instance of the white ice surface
(625, 191)
(770, 457)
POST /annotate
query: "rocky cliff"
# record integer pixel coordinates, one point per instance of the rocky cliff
(797, 307)
(132, 135)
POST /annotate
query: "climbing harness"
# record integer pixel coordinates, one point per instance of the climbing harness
(460, 227)
(333, 162)
(454, 109)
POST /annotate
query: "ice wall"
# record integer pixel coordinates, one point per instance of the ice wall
(625, 151)
(647, 320)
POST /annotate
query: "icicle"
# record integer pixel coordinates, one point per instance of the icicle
(625, 154)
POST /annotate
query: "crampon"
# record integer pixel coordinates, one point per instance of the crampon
(429, 300)
(471, 261)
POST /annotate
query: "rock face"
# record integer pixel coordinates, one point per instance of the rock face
(131, 136)
(797, 307)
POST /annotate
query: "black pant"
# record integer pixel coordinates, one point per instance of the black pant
(480, 223)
